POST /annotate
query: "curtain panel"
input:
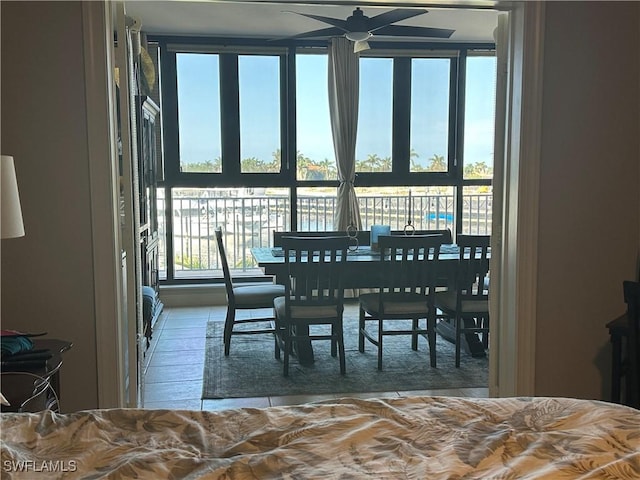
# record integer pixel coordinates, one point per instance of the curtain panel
(344, 80)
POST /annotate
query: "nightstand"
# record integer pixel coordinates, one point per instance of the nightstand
(31, 382)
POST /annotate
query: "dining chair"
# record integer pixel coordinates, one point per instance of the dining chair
(245, 297)
(632, 299)
(408, 277)
(315, 295)
(467, 302)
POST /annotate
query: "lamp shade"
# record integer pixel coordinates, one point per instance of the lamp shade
(12, 225)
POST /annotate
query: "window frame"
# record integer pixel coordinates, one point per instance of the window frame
(401, 175)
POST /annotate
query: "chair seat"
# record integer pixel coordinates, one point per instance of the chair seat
(257, 296)
(447, 301)
(395, 303)
(305, 312)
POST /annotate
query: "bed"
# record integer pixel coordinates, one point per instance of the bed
(385, 438)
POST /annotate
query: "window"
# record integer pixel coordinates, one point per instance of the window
(259, 92)
(315, 156)
(198, 85)
(248, 145)
(479, 125)
(374, 141)
(429, 114)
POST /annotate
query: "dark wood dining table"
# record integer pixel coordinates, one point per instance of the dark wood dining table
(363, 272)
(364, 265)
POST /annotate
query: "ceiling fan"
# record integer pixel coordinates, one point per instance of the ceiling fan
(359, 28)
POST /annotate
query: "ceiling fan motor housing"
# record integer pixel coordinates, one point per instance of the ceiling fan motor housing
(358, 21)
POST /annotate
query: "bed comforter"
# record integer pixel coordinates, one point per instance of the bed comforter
(388, 438)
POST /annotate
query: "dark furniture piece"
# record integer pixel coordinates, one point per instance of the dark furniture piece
(31, 380)
(149, 172)
(407, 282)
(363, 236)
(245, 297)
(631, 292)
(315, 295)
(618, 334)
(467, 303)
(363, 264)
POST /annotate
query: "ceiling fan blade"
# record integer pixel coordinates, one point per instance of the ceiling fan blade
(409, 31)
(322, 33)
(341, 24)
(393, 16)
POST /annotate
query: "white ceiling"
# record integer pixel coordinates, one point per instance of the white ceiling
(473, 21)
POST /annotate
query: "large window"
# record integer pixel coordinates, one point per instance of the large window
(375, 115)
(259, 94)
(198, 84)
(479, 125)
(315, 159)
(430, 103)
(248, 146)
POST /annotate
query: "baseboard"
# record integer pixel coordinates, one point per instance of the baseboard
(192, 295)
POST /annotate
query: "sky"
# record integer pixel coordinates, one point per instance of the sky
(199, 107)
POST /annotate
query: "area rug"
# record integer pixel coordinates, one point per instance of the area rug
(251, 369)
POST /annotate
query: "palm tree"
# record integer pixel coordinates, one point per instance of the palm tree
(328, 167)
(372, 161)
(252, 165)
(437, 163)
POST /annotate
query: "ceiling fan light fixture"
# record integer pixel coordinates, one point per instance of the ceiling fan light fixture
(358, 36)
(360, 46)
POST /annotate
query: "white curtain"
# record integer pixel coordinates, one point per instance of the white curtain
(344, 78)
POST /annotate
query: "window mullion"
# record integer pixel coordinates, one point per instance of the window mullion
(230, 114)
(401, 123)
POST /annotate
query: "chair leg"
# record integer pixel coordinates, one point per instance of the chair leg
(333, 341)
(485, 334)
(458, 321)
(341, 355)
(276, 346)
(228, 328)
(361, 323)
(380, 335)
(414, 335)
(287, 349)
(431, 337)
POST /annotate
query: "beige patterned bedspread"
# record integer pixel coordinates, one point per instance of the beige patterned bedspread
(413, 437)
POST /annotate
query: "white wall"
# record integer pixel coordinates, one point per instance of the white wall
(47, 276)
(589, 220)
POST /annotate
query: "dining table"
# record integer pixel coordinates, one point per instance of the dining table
(363, 272)
(363, 265)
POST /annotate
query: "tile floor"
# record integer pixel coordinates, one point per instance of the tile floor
(175, 360)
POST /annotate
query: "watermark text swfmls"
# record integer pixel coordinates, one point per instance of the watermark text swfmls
(41, 466)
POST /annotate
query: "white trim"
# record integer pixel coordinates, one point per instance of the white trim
(517, 292)
(502, 44)
(97, 38)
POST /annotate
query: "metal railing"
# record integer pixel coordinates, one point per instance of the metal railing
(250, 221)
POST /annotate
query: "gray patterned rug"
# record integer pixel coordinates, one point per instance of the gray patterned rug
(251, 369)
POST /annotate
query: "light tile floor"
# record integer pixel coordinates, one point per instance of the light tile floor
(174, 365)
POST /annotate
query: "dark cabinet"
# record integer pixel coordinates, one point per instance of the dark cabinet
(149, 171)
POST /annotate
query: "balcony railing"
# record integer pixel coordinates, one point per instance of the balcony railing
(250, 221)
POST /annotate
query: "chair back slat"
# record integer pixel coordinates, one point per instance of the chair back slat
(408, 263)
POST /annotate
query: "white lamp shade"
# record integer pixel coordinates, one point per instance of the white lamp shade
(12, 225)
